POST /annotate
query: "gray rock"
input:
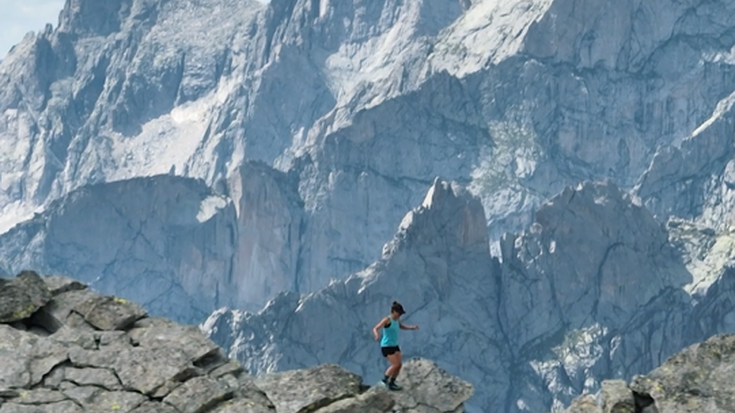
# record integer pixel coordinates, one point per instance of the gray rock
(45, 355)
(199, 395)
(157, 332)
(146, 370)
(698, 379)
(15, 372)
(26, 358)
(99, 377)
(552, 122)
(617, 397)
(428, 386)
(38, 396)
(60, 313)
(97, 399)
(584, 404)
(369, 402)
(307, 390)
(58, 284)
(110, 313)
(231, 367)
(21, 296)
(154, 407)
(243, 406)
(113, 339)
(66, 406)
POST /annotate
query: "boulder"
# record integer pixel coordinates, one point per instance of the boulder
(110, 313)
(58, 284)
(372, 401)
(697, 379)
(426, 385)
(298, 390)
(21, 296)
(584, 404)
(617, 397)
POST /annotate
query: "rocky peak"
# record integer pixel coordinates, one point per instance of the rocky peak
(65, 348)
(450, 217)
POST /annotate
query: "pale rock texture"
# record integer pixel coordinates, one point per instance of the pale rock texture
(269, 226)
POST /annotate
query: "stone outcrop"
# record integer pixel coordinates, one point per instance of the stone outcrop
(697, 379)
(270, 218)
(23, 297)
(73, 350)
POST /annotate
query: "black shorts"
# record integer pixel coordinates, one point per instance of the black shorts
(387, 351)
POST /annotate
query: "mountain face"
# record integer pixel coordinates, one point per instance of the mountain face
(362, 104)
(66, 348)
(173, 233)
(592, 289)
(217, 156)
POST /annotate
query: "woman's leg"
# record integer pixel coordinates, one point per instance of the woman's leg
(389, 370)
(395, 365)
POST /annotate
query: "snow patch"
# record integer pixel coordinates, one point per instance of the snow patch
(14, 213)
(724, 106)
(209, 207)
(167, 143)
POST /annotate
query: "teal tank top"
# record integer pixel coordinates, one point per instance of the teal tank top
(390, 334)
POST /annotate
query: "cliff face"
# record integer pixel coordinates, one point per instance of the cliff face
(66, 348)
(516, 100)
(165, 240)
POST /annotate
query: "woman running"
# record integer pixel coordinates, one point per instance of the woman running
(389, 343)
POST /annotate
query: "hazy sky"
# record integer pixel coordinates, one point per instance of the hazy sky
(18, 17)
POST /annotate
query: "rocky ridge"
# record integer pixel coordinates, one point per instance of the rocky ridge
(697, 379)
(565, 307)
(67, 349)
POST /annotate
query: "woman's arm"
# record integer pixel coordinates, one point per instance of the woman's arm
(377, 327)
(405, 327)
